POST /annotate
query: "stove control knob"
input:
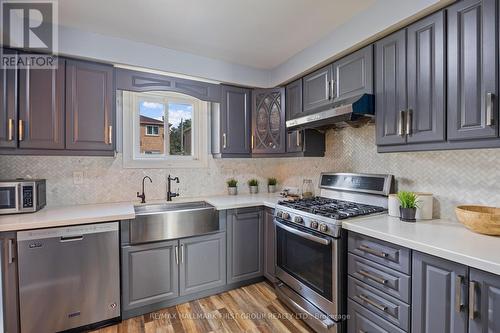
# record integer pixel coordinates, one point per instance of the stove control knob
(279, 214)
(285, 216)
(323, 227)
(298, 219)
(314, 224)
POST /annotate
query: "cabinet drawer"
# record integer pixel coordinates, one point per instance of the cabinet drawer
(387, 307)
(387, 254)
(363, 320)
(385, 279)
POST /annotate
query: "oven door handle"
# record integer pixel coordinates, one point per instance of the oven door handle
(306, 235)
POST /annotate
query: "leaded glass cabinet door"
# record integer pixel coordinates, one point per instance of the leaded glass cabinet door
(268, 125)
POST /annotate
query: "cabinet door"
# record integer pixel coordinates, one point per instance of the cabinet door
(41, 108)
(8, 106)
(9, 282)
(268, 121)
(437, 284)
(202, 263)
(426, 81)
(353, 75)
(245, 244)
(149, 274)
(294, 100)
(472, 70)
(269, 245)
(89, 106)
(390, 93)
(235, 120)
(485, 303)
(295, 141)
(317, 90)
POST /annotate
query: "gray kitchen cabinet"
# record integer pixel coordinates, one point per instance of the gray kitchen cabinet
(245, 244)
(363, 320)
(317, 90)
(268, 121)
(202, 263)
(41, 107)
(439, 295)
(149, 274)
(472, 69)
(89, 106)
(426, 109)
(269, 245)
(484, 302)
(390, 91)
(235, 113)
(8, 106)
(293, 93)
(353, 75)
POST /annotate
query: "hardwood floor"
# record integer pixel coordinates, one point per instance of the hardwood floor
(253, 308)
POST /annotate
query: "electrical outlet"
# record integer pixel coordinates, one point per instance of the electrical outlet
(78, 177)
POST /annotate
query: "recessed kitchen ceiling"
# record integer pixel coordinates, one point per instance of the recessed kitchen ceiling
(257, 33)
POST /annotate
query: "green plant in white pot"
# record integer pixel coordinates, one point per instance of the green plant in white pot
(253, 184)
(232, 188)
(408, 205)
(271, 185)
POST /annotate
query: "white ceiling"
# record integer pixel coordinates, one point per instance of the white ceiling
(257, 33)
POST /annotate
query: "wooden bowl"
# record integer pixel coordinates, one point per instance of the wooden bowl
(481, 219)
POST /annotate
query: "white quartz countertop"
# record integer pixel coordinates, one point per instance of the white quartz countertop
(56, 216)
(442, 238)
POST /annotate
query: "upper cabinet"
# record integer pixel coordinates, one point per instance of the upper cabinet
(293, 92)
(268, 121)
(348, 77)
(235, 121)
(89, 106)
(8, 106)
(410, 84)
(472, 70)
(41, 108)
(353, 75)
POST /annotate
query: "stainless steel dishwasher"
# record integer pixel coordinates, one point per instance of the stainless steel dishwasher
(69, 277)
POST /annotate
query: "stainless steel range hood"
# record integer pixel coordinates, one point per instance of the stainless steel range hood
(346, 111)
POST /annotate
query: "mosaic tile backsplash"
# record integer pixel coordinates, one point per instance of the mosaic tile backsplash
(454, 177)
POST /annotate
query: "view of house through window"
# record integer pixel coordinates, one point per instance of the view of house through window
(165, 126)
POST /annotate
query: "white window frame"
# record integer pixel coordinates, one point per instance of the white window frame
(152, 127)
(132, 158)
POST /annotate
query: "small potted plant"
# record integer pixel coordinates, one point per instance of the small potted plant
(232, 188)
(408, 205)
(254, 186)
(271, 185)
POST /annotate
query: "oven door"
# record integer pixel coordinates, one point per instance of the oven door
(306, 261)
(9, 198)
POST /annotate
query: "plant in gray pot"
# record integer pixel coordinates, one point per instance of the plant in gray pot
(232, 188)
(271, 185)
(408, 205)
(254, 186)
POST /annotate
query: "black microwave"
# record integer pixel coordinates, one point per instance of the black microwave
(22, 195)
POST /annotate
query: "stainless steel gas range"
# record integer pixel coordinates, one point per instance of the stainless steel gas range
(311, 249)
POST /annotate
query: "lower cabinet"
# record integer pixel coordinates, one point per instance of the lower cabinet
(484, 302)
(245, 244)
(269, 245)
(158, 272)
(202, 263)
(150, 274)
(439, 295)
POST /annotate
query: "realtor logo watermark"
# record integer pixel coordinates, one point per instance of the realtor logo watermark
(31, 28)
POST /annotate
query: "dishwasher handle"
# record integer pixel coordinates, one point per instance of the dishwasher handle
(71, 239)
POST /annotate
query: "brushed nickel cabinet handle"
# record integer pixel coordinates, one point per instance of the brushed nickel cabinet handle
(401, 123)
(224, 141)
(21, 130)
(298, 138)
(369, 250)
(182, 253)
(251, 141)
(459, 305)
(372, 303)
(11, 129)
(110, 134)
(11, 250)
(176, 255)
(373, 277)
(409, 120)
(489, 109)
(329, 90)
(334, 93)
(472, 300)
